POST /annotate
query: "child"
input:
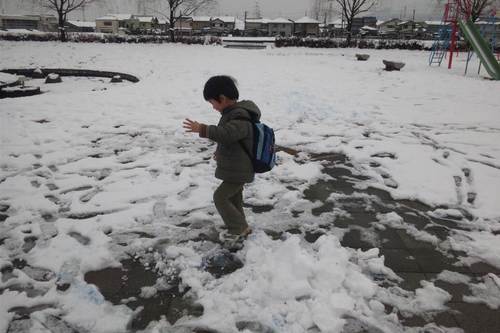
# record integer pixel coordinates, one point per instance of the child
(234, 137)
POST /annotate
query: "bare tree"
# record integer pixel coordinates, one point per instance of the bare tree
(179, 8)
(63, 8)
(473, 8)
(352, 8)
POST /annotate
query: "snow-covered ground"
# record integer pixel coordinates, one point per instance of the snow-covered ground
(79, 166)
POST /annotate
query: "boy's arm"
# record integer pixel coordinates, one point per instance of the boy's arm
(230, 132)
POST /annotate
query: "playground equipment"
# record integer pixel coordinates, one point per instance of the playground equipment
(446, 41)
(482, 49)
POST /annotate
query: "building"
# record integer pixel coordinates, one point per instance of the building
(107, 24)
(360, 22)
(125, 23)
(389, 28)
(183, 25)
(29, 22)
(368, 31)
(433, 27)
(280, 27)
(145, 23)
(490, 29)
(201, 24)
(163, 25)
(256, 27)
(80, 26)
(222, 24)
(334, 28)
(47, 22)
(306, 26)
(411, 29)
(19, 22)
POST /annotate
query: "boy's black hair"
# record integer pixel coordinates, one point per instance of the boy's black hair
(220, 85)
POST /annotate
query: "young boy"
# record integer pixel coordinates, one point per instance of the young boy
(234, 137)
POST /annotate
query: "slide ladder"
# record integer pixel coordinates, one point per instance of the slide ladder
(440, 46)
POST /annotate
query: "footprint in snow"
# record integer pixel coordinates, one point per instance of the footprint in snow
(159, 209)
(79, 237)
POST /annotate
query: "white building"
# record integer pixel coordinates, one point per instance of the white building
(280, 27)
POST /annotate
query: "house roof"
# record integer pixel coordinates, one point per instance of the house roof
(433, 22)
(107, 18)
(258, 20)
(367, 27)
(280, 20)
(121, 17)
(82, 24)
(20, 17)
(225, 19)
(394, 20)
(306, 19)
(201, 18)
(145, 19)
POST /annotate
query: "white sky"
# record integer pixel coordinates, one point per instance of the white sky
(424, 9)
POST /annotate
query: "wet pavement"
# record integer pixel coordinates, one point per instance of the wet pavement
(152, 295)
(409, 258)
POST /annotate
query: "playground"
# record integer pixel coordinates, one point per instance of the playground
(457, 22)
(381, 215)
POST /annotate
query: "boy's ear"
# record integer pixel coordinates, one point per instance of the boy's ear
(222, 98)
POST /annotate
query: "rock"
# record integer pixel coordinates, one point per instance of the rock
(53, 78)
(362, 57)
(19, 91)
(56, 324)
(254, 327)
(221, 263)
(20, 325)
(393, 65)
(354, 325)
(38, 273)
(37, 74)
(116, 79)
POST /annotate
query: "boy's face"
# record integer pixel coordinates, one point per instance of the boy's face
(222, 103)
(216, 105)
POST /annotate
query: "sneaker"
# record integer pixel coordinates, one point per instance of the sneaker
(235, 241)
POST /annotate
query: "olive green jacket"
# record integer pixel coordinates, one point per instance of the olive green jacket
(233, 163)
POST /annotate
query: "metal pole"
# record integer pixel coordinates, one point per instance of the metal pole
(454, 31)
(467, 63)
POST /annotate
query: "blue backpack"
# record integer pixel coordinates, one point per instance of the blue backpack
(263, 154)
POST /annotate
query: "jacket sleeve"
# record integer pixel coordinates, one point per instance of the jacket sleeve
(228, 133)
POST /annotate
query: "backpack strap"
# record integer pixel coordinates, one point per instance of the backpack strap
(241, 141)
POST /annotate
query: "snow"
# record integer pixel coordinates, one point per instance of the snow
(306, 19)
(83, 24)
(287, 287)
(395, 221)
(487, 292)
(107, 158)
(280, 20)
(453, 277)
(201, 18)
(479, 245)
(6, 79)
(225, 19)
(249, 39)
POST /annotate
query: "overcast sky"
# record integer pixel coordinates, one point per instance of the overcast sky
(424, 9)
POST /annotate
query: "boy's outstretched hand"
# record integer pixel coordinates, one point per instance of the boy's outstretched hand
(191, 126)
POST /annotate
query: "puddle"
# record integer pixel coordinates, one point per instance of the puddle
(123, 286)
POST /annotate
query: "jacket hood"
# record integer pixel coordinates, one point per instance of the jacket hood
(249, 106)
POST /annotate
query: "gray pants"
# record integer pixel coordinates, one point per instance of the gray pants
(228, 199)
